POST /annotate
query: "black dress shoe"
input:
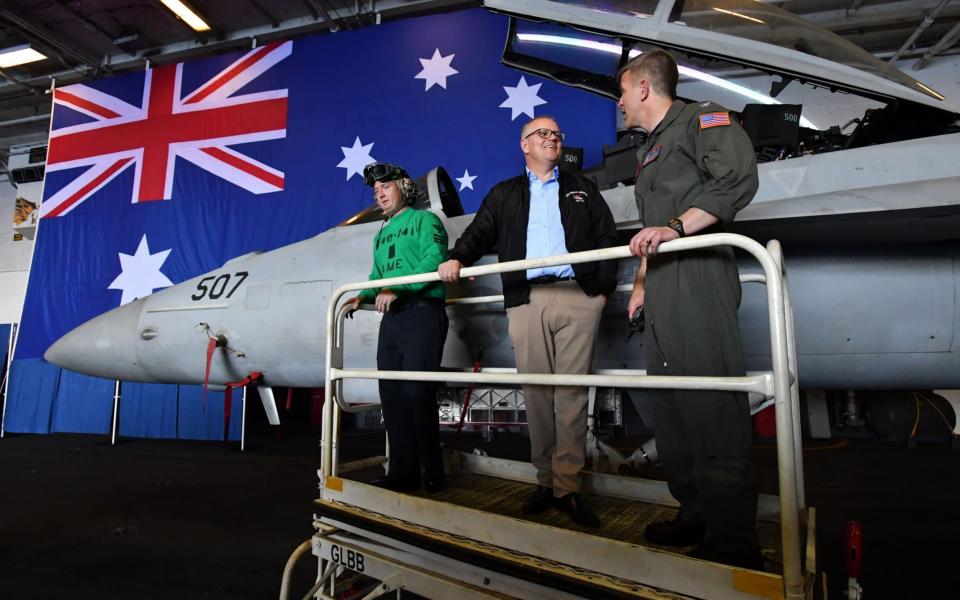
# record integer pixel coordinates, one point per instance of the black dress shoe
(678, 532)
(395, 484)
(434, 485)
(577, 510)
(540, 500)
(746, 560)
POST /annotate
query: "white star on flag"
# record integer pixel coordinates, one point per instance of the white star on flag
(467, 180)
(140, 274)
(522, 98)
(436, 70)
(356, 158)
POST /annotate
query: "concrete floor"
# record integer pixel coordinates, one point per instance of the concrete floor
(201, 520)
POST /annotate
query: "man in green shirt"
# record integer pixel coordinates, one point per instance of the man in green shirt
(413, 329)
(697, 170)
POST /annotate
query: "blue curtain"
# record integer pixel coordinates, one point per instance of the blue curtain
(203, 420)
(33, 387)
(148, 410)
(47, 399)
(82, 404)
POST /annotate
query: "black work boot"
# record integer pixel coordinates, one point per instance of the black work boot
(678, 532)
(577, 510)
(540, 500)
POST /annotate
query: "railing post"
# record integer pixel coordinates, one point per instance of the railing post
(773, 246)
(116, 412)
(786, 462)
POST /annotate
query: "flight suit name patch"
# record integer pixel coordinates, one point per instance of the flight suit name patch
(651, 156)
(716, 119)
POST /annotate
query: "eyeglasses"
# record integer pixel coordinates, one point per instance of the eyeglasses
(544, 133)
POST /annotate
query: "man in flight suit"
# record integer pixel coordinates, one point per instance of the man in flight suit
(697, 170)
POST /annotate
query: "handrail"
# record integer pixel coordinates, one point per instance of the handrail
(773, 246)
(498, 298)
(780, 354)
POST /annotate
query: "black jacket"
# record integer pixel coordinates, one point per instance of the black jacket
(501, 223)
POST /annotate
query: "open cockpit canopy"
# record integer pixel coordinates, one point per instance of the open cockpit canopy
(584, 43)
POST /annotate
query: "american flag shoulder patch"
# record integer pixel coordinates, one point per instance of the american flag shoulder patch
(715, 119)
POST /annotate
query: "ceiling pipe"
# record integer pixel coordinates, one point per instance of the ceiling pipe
(24, 120)
(49, 39)
(263, 13)
(928, 20)
(309, 6)
(321, 13)
(949, 39)
(18, 82)
(90, 25)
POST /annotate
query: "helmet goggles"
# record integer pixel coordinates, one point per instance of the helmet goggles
(379, 171)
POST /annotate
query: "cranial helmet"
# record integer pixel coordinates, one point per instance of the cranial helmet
(379, 171)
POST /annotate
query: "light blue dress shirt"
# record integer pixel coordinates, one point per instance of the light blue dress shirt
(545, 235)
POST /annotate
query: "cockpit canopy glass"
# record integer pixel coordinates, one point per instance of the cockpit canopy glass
(751, 20)
(769, 24)
(560, 45)
(631, 8)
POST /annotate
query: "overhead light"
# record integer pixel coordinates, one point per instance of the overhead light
(187, 14)
(19, 55)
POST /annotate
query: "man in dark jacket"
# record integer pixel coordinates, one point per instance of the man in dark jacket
(697, 170)
(554, 312)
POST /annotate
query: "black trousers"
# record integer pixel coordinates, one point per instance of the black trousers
(411, 339)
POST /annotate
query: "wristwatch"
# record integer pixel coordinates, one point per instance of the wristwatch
(676, 225)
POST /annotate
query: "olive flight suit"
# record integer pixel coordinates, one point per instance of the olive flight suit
(698, 156)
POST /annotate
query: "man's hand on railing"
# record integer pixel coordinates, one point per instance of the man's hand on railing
(384, 299)
(646, 242)
(351, 305)
(450, 270)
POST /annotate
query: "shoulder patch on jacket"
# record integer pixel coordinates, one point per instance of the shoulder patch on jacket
(651, 156)
(714, 119)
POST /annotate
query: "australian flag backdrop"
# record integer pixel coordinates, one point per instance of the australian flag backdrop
(155, 177)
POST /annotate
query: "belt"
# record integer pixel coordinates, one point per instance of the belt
(548, 279)
(404, 303)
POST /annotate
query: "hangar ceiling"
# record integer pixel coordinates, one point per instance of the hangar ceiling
(88, 39)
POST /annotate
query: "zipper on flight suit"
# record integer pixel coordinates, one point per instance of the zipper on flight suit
(653, 330)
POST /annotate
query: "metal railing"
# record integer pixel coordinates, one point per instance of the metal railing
(780, 382)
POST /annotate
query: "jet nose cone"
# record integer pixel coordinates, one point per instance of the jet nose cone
(102, 347)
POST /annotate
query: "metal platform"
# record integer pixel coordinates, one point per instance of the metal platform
(474, 533)
(620, 519)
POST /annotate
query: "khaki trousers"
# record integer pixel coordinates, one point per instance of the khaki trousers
(555, 333)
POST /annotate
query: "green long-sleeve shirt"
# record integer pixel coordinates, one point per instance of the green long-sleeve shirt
(411, 242)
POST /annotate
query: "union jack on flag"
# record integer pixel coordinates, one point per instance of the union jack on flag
(198, 127)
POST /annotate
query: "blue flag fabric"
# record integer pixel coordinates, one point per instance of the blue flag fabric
(155, 177)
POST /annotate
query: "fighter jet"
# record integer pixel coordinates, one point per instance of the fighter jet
(864, 200)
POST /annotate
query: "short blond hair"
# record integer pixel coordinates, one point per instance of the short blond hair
(658, 67)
